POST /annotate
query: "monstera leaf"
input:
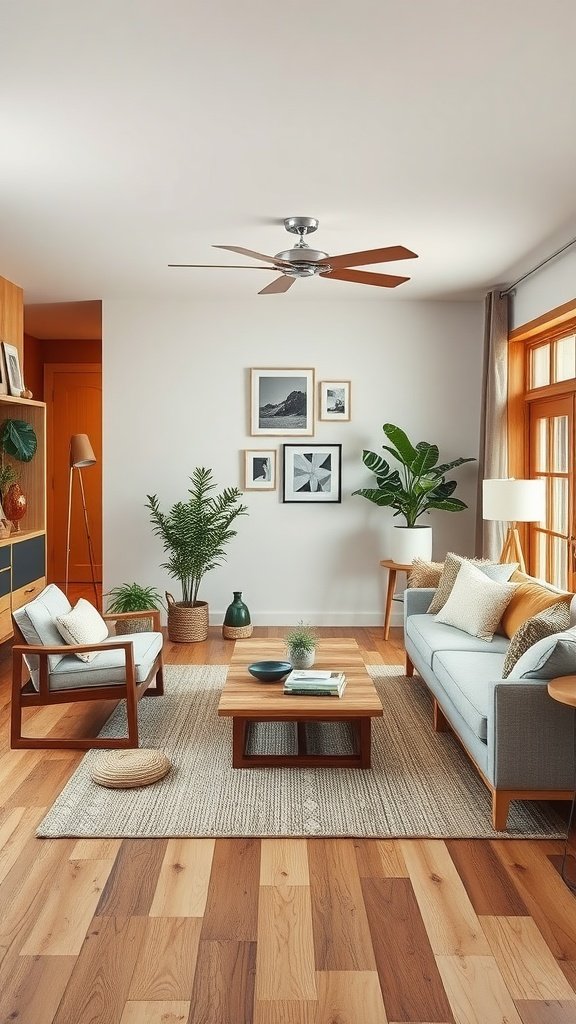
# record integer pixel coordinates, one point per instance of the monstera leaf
(19, 440)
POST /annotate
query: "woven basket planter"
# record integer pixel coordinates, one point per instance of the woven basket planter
(237, 632)
(187, 624)
(125, 626)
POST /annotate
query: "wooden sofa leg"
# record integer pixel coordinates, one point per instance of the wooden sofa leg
(500, 808)
(441, 723)
(16, 740)
(409, 667)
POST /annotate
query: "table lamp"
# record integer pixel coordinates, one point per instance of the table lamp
(81, 456)
(514, 501)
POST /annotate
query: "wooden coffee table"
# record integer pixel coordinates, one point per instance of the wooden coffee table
(245, 700)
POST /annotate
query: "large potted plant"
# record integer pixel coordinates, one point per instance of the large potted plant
(195, 533)
(413, 490)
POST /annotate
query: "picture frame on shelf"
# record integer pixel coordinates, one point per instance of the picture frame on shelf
(3, 371)
(312, 473)
(260, 469)
(13, 371)
(282, 401)
(335, 400)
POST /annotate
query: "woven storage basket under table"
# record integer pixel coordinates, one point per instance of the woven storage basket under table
(187, 624)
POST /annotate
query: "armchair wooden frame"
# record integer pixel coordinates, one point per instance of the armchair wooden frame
(26, 696)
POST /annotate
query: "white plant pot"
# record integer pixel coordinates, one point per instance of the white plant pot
(410, 542)
(302, 659)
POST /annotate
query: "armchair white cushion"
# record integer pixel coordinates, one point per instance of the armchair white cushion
(107, 669)
(36, 622)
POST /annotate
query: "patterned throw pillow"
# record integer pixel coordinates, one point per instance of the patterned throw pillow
(476, 603)
(498, 571)
(424, 574)
(83, 625)
(551, 620)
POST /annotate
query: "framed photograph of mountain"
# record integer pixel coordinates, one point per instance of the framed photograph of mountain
(260, 469)
(335, 400)
(282, 402)
(312, 472)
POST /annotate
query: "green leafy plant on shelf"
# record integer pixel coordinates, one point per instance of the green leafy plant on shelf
(301, 639)
(419, 485)
(131, 597)
(18, 441)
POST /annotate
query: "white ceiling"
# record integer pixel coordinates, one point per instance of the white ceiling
(137, 132)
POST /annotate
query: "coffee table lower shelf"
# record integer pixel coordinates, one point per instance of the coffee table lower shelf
(361, 728)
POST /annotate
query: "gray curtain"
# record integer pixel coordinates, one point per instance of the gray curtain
(493, 458)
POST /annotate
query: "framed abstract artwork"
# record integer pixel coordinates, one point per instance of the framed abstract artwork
(260, 469)
(312, 473)
(14, 373)
(335, 400)
(282, 402)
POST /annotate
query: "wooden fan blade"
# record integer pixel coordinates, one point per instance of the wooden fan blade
(224, 266)
(362, 259)
(361, 277)
(280, 284)
(250, 252)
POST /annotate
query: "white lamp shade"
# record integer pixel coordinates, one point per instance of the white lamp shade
(514, 501)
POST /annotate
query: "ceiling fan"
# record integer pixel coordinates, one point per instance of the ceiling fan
(302, 261)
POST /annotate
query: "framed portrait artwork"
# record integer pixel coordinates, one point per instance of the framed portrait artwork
(13, 372)
(335, 400)
(282, 402)
(312, 473)
(260, 469)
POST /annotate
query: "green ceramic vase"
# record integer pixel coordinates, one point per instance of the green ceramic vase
(237, 614)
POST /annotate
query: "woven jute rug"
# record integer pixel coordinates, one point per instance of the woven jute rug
(420, 785)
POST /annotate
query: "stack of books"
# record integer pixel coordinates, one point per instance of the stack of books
(315, 683)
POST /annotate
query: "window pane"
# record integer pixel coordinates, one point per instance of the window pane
(560, 444)
(558, 515)
(540, 539)
(542, 446)
(559, 562)
(540, 366)
(565, 358)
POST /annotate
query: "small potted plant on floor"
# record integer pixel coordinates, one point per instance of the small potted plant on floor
(131, 597)
(301, 644)
(195, 533)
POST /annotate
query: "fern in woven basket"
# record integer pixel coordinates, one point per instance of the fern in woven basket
(195, 532)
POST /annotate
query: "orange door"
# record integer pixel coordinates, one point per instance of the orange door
(73, 393)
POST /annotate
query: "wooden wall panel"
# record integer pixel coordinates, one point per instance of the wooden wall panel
(12, 316)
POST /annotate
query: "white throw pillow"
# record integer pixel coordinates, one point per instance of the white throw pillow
(83, 625)
(476, 603)
(553, 656)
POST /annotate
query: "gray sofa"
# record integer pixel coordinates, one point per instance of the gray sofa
(520, 740)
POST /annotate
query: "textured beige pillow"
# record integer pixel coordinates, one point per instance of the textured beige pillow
(554, 619)
(424, 574)
(83, 625)
(498, 571)
(476, 603)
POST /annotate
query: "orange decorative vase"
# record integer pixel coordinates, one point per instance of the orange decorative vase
(15, 505)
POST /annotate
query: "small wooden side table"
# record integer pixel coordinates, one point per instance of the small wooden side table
(563, 689)
(393, 568)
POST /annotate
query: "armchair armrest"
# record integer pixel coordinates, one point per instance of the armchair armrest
(43, 653)
(146, 613)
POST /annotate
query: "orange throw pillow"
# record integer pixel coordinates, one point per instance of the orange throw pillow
(527, 600)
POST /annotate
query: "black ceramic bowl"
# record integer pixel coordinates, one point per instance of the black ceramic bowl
(269, 671)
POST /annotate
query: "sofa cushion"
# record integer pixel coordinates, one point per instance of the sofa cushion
(551, 620)
(429, 636)
(35, 621)
(424, 574)
(467, 679)
(107, 668)
(528, 600)
(553, 656)
(476, 603)
(498, 571)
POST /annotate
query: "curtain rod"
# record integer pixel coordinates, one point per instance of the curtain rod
(506, 291)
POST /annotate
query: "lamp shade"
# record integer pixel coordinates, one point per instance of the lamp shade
(81, 451)
(514, 501)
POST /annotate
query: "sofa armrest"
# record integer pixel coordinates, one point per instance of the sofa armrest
(530, 737)
(417, 600)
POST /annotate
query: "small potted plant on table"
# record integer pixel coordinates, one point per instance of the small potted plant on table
(301, 644)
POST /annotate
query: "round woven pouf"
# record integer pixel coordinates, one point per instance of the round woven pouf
(127, 769)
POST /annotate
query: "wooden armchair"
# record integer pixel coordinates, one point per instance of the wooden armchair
(130, 678)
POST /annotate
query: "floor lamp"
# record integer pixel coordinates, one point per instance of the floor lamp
(81, 456)
(514, 501)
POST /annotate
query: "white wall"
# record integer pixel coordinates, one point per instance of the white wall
(176, 396)
(545, 290)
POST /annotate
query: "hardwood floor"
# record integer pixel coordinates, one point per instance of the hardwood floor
(273, 931)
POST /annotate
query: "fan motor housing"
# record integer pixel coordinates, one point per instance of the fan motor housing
(305, 262)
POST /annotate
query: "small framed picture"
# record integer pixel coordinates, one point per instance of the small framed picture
(3, 371)
(282, 402)
(312, 473)
(260, 469)
(13, 371)
(335, 400)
